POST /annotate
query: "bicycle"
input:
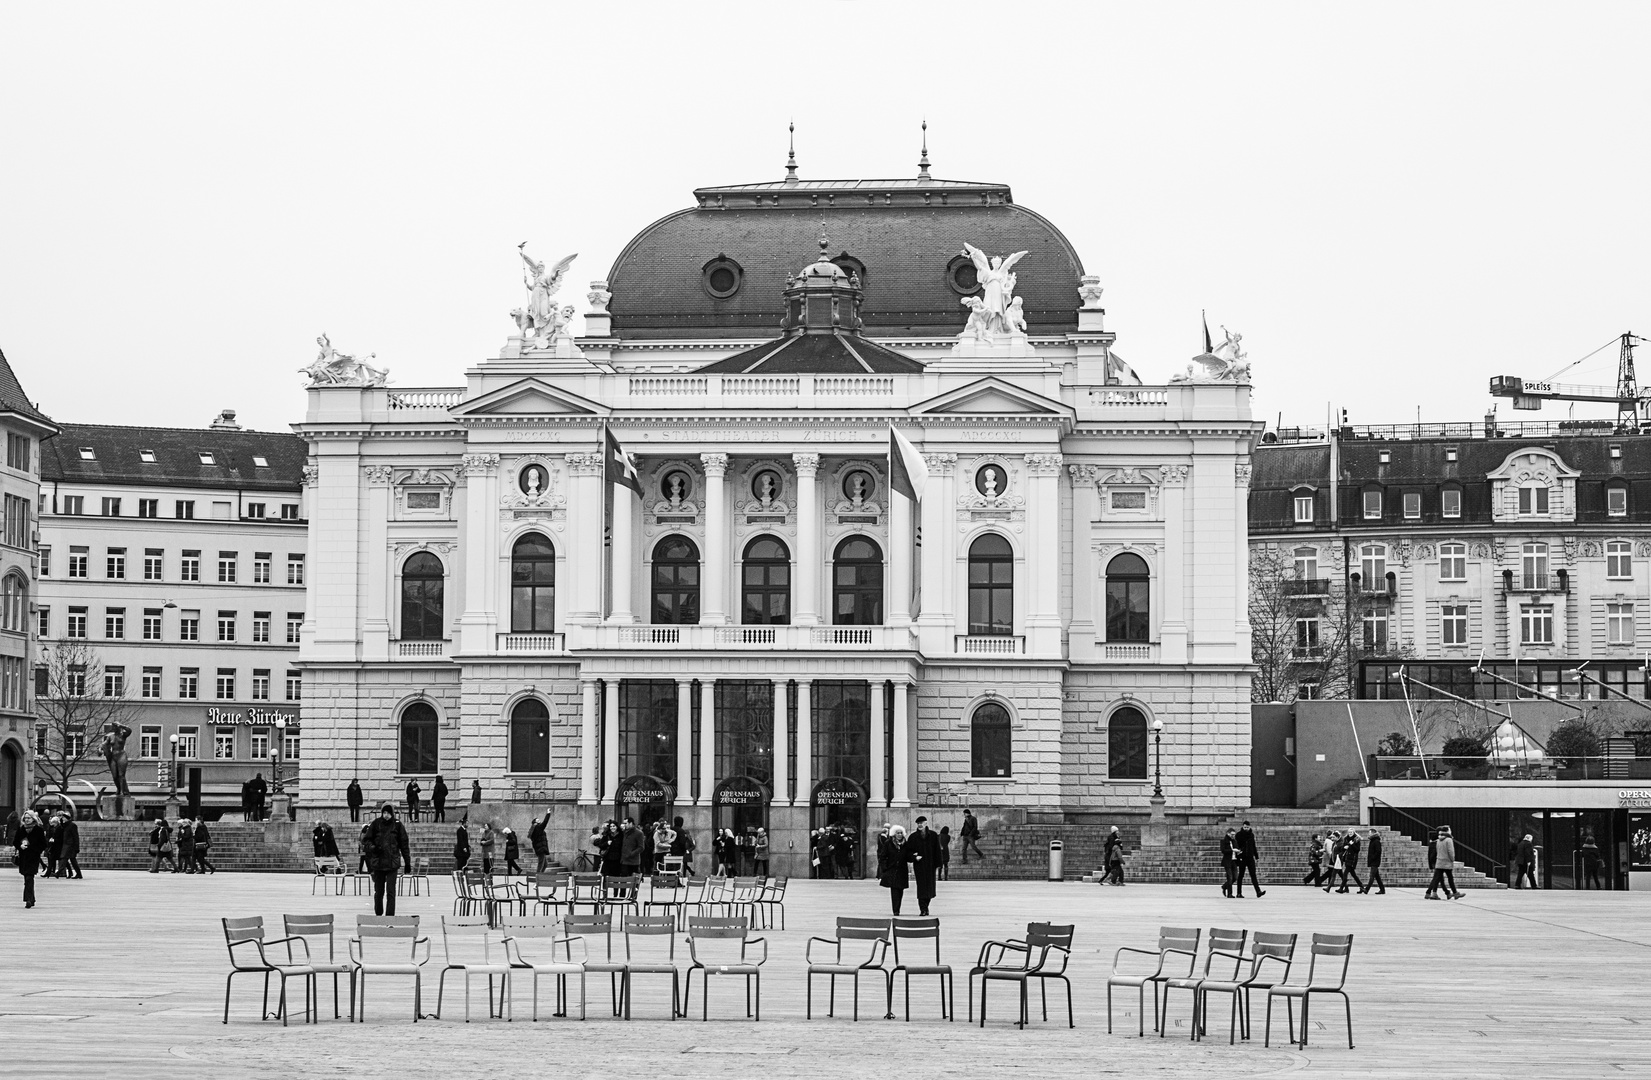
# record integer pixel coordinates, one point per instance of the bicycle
(586, 863)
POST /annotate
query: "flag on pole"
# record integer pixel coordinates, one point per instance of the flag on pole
(907, 472)
(619, 468)
(1209, 346)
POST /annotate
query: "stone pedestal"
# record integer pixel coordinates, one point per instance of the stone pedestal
(280, 808)
(1155, 833)
(173, 807)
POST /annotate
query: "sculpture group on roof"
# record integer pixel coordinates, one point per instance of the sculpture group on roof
(997, 310)
(542, 320)
(333, 368)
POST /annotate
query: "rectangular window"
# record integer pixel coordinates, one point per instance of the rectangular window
(41, 679)
(1616, 501)
(1372, 505)
(1533, 500)
(149, 508)
(295, 686)
(1307, 691)
(260, 628)
(1375, 629)
(260, 745)
(189, 626)
(1619, 559)
(74, 504)
(14, 688)
(151, 682)
(226, 684)
(1307, 638)
(111, 507)
(1619, 624)
(1307, 564)
(1534, 563)
(45, 561)
(114, 681)
(183, 508)
(289, 746)
(295, 623)
(189, 687)
(43, 622)
(1536, 624)
(1412, 505)
(255, 510)
(1453, 562)
(74, 745)
(152, 624)
(77, 680)
(77, 622)
(78, 559)
(1453, 624)
(18, 452)
(18, 531)
(149, 741)
(223, 744)
(260, 684)
(221, 509)
(1450, 503)
(289, 511)
(295, 569)
(115, 564)
(260, 568)
(190, 568)
(1304, 509)
(226, 626)
(114, 623)
(226, 567)
(153, 559)
(189, 741)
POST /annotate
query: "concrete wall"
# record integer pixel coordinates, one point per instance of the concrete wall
(1272, 755)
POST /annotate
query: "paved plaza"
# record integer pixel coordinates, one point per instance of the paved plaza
(122, 975)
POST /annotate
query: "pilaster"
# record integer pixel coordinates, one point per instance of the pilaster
(808, 540)
(585, 537)
(381, 568)
(1081, 635)
(935, 620)
(1043, 554)
(480, 621)
(1173, 632)
(713, 600)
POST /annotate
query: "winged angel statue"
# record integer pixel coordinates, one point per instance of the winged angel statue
(333, 368)
(541, 319)
(997, 310)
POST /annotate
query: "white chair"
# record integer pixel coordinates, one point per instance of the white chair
(471, 946)
(389, 945)
(530, 945)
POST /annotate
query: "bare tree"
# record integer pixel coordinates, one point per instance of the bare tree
(1300, 632)
(84, 713)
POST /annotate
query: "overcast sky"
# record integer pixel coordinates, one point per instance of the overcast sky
(1391, 202)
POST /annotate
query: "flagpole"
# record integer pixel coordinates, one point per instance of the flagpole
(605, 546)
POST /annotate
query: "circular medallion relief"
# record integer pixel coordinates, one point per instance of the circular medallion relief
(765, 486)
(858, 486)
(533, 480)
(991, 481)
(676, 485)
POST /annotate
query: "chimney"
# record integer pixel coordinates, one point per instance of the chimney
(226, 421)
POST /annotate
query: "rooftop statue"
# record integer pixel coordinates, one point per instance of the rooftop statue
(333, 368)
(1227, 362)
(542, 319)
(997, 281)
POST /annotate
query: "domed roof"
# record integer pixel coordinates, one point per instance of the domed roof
(717, 270)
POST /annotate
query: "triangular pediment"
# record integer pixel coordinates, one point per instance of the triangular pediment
(994, 397)
(530, 397)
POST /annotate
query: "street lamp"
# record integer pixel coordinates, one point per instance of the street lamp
(172, 800)
(1157, 728)
(280, 742)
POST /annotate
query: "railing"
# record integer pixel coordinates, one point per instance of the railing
(747, 635)
(531, 643)
(1537, 583)
(1307, 587)
(1126, 397)
(854, 385)
(990, 644)
(1144, 652)
(425, 399)
(1307, 652)
(841, 635)
(761, 385)
(1620, 767)
(1486, 865)
(650, 635)
(769, 638)
(667, 385)
(421, 648)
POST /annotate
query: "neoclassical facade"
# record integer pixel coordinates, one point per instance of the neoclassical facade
(671, 567)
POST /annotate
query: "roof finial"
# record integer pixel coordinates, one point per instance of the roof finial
(791, 161)
(923, 163)
(824, 243)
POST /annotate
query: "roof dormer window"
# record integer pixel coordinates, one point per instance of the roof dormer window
(146, 456)
(259, 461)
(1533, 499)
(88, 454)
(1450, 453)
(1384, 457)
(207, 458)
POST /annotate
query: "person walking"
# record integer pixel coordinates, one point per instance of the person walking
(1373, 859)
(258, 790)
(412, 800)
(438, 800)
(1524, 859)
(891, 864)
(160, 846)
(1590, 862)
(186, 845)
(461, 844)
(30, 843)
(1350, 845)
(539, 841)
(385, 846)
(631, 849)
(512, 852)
(923, 850)
(1444, 880)
(759, 853)
(1244, 846)
(353, 799)
(970, 835)
(71, 848)
(945, 853)
(203, 847)
(1332, 859)
(1315, 861)
(1112, 858)
(682, 845)
(487, 843)
(1229, 862)
(54, 843)
(475, 792)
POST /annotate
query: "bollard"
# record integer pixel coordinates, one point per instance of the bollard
(1057, 860)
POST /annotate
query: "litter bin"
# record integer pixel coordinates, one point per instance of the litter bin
(1057, 860)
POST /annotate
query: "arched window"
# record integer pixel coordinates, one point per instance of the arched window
(1126, 745)
(14, 603)
(989, 742)
(530, 737)
(532, 586)
(418, 739)
(991, 586)
(421, 599)
(1127, 608)
(676, 582)
(767, 583)
(857, 583)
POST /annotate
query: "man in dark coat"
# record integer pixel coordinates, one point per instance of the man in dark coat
(412, 800)
(923, 852)
(353, 799)
(1244, 847)
(246, 800)
(1373, 859)
(970, 835)
(536, 836)
(71, 848)
(1229, 864)
(259, 790)
(1350, 860)
(186, 845)
(631, 848)
(203, 846)
(385, 847)
(1524, 860)
(682, 845)
(461, 845)
(31, 845)
(891, 864)
(438, 800)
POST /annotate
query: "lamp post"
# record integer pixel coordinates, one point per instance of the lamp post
(1158, 766)
(280, 803)
(1155, 833)
(172, 799)
(276, 787)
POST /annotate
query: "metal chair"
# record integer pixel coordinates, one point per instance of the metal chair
(1227, 944)
(622, 895)
(708, 939)
(585, 890)
(530, 945)
(388, 945)
(870, 934)
(772, 900)
(470, 896)
(1172, 941)
(247, 935)
(1264, 947)
(311, 927)
(920, 929)
(642, 957)
(742, 897)
(471, 946)
(329, 874)
(665, 894)
(1329, 945)
(548, 891)
(1043, 954)
(595, 936)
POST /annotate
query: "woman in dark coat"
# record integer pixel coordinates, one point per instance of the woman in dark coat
(461, 846)
(31, 845)
(512, 852)
(608, 846)
(70, 865)
(203, 844)
(945, 852)
(891, 865)
(186, 845)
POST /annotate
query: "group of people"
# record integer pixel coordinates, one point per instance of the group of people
(253, 792)
(355, 799)
(51, 845)
(831, 852)
(1238, 857)
(185, 850)
(1337, 855)
(922, 852)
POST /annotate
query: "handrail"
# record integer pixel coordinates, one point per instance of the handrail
(1459, 844)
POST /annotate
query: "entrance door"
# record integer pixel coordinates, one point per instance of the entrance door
(645, 800)
(11, 780)
(837, 828)
(740, 805)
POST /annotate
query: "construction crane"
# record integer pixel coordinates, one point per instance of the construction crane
(1629, 400)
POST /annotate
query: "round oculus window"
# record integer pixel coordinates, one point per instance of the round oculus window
(722, 277)
(962, 277)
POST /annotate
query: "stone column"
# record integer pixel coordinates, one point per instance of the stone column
(623, 559)
(610, 742)
(1043, 554)
(782, 746)
(1173, 630)
(808, 540)
(584, 537)
(879, 764)
(684, 741)
(713, 599)
(1081, 635)
(805, 742)
(902, 746)
(587, 741)
(1241, 560)
(934, 620)
(480, 621)
(375, 625)
(900, 545)
(707, 741)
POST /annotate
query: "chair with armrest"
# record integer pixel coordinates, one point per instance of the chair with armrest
(249, 955)
(1042, 955)
(312, 928)
(772, 901)
(650, 949)
(1270, 957)
(530, 944)
(722, 947)
(594, 934)
(1175, 944)
(1224, 958)
(1332, 947)
(389, 945)
(859, 947)
(471, 946)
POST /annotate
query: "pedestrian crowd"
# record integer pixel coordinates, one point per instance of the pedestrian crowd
(185, 849)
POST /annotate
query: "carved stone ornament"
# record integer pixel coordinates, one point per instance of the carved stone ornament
(1480, 550)
(477, 464)
(542, 320)
(1043, 464)
(993, 488)
(1569, 544)
(1227, 362)
(378, 474)
(1174, 474)
(675, 485)
(405, 548)
(425, 477)
(1497, 548)
(584, 464)
(807, 464)
(856, 489)
(1403, 552)
(767, 490)
(312, 475)
(1643, 549)
(1424, 552)
(1089, 291)
(599, 297)
(1084, 474)
(333, 368)
(940, 464)
(1242, 473)
(535, 487)
(1591, 549)
(716, 465)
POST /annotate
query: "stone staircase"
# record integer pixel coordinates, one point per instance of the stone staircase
(1021, 852)
(236, 845)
